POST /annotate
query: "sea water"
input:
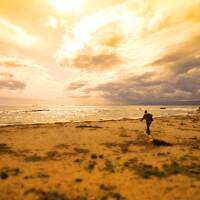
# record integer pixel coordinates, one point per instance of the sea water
(10, 115)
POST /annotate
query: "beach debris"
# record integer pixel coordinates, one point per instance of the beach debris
(78, 180)
(158, 142)
(107, 187)
(37, 110)
(163, 108)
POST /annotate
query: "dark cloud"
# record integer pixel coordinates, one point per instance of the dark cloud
(182, 58)
(176, 77)
(11, 84)
(150, 87)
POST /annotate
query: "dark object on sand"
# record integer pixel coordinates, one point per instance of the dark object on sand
(198, 110)
(157, 142)
(94, 156)
(3, 175)
(163, 108)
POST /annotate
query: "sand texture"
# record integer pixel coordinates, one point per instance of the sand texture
(107, 160)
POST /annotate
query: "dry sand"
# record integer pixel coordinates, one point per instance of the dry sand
(101, 160)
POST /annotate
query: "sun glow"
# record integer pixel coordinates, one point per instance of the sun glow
(66, 5)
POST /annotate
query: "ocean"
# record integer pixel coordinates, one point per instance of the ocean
(12, 115)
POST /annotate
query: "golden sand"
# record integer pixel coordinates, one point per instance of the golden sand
(101, 160)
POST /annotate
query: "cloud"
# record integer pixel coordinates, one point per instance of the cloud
(131, 32)
(175, 77)
(95, 42)
(8, 82)
(150, 87)
(13, 34)
(89, 61)
(15, 62)
(182, 57)
(76, 85)
(5, 74)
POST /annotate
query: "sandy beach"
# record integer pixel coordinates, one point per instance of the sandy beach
(102, 160)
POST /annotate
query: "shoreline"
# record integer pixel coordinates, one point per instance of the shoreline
(91, 121)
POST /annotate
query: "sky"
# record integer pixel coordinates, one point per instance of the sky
(100, 52)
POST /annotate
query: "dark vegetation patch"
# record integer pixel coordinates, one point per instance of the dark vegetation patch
(148, 171)
(5, 149)
(109, 166)
(91, 165)
(62, 146)
(132, 163)
(139, 141)
(7, 172)
(52, 195)
(81, 150)
(88, 126)
(113, 196)
(122, 146)
(51, 155)
(33, 158)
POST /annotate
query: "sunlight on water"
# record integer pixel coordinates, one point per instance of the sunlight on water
(32, 115)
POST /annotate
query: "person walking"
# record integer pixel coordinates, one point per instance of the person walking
(149, 119)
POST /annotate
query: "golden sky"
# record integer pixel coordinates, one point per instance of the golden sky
(94, 52)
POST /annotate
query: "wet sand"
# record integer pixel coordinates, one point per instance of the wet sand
(101, 160)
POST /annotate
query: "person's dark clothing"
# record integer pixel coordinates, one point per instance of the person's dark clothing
(149, 118)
